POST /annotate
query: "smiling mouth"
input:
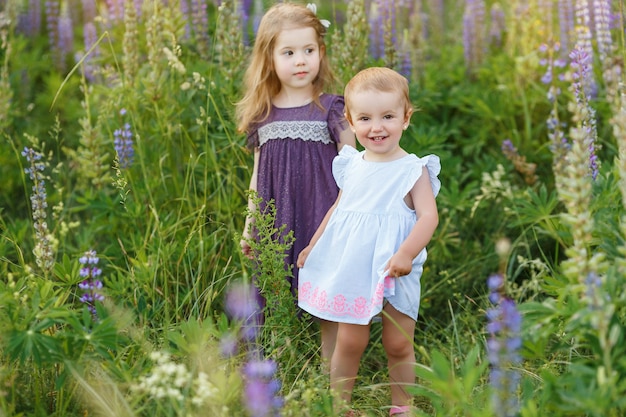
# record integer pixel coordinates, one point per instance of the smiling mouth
(378, 138)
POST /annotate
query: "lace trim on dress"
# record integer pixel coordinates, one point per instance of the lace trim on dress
(316, 131)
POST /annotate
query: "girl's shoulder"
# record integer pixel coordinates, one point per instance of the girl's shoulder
(327, 98)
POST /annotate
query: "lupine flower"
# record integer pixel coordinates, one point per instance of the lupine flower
(91, 284)
(581, 73)
(130, 59)
(584, 42)
(52, 11)
(566, 25)
(593, 293)
(123, 142)
(228, 345)
(559, 145)
(504, 326)
(242, 305)
(89, 10)
(376, 31)
(527, 169)
(200, 25)
(29, 22)
(116, 10)
(498, 25)
(602, 18)
(44, 252)
(473, 32)
(261, 388)
(246, 8)
(65, 42)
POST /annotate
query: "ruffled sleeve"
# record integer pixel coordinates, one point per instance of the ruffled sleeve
(341, 162)
(433, 166)
(253, 138)
(337, 122)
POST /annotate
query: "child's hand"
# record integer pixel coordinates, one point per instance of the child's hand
(399, 265)
(245, 248)
(303, 255)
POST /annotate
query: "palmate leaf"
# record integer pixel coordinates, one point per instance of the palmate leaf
(34, 344)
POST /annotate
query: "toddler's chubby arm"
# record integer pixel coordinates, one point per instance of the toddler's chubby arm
(401, 263)
(320, 229)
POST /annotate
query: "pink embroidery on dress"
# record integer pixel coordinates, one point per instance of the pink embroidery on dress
(389, 283)
(378, 294)
(360, 307)
(339, 304)
(321, 300)
(305, 291)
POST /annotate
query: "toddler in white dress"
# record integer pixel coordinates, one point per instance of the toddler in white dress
(368, 253)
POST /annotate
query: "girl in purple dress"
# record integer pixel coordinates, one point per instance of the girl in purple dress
(294, 128)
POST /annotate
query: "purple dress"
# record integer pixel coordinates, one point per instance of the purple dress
(297, 147)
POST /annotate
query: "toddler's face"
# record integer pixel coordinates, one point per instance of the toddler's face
(378, 119)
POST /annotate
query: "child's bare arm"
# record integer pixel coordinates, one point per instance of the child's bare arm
(423, 200)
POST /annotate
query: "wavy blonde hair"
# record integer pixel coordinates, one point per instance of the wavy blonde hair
(260, 80)
(377, 79)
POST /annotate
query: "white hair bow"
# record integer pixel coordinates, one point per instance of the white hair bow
(313, 8)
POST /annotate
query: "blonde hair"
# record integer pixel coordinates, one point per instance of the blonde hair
(377, 79)
(260, 79)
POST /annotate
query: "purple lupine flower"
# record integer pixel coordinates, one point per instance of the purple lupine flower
(200, 23)
(602, 17)
(581, 73)
(89, 10)
(376, 22)
(115, 9)
(240, 301)
(508, 148)
(91, 284)
(559, 144)
(44, 253)
(90, 37)
(184, 10)
(554, 68)
(566, 25)
(406, 65)
(261, 388)
(246, 8)
(498, 25)
(242, 305)
(473, 32)
(65, 42)
(584, 42)
(29, 21)
(138, 8)
(52, 11)
(228, 345)
(503, 344)
(123, 142)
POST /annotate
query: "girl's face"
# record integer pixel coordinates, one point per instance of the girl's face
(297, 57)
(378, 119)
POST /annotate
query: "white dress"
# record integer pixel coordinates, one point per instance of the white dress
(343, 278)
